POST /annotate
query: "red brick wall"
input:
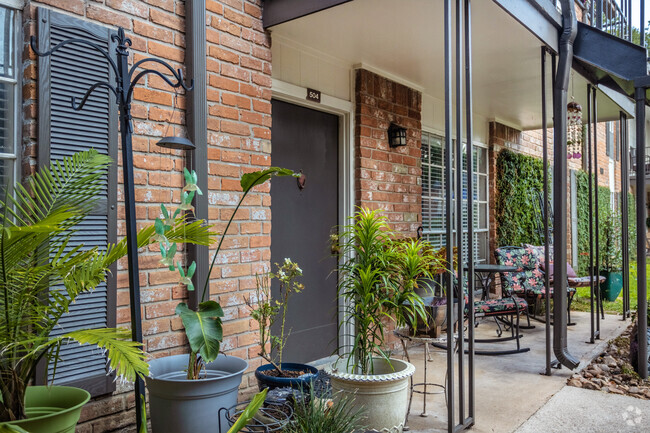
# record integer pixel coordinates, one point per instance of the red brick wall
(239, 94)
(388, 178)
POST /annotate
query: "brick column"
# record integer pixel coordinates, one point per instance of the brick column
(388, 178)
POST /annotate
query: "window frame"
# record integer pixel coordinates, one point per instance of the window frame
(477, 230)
(17, 83)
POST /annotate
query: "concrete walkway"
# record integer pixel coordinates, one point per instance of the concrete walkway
(510, 389)
(575, 409)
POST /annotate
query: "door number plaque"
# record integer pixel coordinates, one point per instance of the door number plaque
(313, 95)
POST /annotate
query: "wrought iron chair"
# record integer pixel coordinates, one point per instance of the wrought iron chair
(508, 305)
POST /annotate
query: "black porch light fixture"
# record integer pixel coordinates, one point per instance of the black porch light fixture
(172, 142)
(396, 135)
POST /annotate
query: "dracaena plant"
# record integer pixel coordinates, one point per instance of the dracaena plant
(377, 279)
(43, 271)
(203, 326)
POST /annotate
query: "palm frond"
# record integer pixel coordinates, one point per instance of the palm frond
(74, 182)
(126, 357)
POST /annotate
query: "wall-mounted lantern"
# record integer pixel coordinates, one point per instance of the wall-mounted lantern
(396, 135)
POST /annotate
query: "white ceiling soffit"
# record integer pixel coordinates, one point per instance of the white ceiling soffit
(405, 39)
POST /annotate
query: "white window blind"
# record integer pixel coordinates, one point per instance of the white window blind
(433, 195)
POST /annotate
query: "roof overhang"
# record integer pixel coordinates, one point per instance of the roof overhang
(280, 11)
(406, 41)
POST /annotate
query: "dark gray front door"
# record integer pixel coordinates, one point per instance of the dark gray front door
(302, 220)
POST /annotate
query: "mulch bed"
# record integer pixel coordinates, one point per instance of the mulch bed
(612, 372)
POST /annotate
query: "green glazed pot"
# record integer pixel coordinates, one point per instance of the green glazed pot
(53, 409)
(611, 288)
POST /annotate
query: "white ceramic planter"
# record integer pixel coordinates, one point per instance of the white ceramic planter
(383, 396)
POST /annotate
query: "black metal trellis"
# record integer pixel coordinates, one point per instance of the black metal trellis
(125, 81)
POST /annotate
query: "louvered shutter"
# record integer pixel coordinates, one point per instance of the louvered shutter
(63, 132)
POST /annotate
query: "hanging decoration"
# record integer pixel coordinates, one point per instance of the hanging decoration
(168, 221)
(574, 130)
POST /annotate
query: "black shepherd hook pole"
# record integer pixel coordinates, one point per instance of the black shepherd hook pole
(123, 87)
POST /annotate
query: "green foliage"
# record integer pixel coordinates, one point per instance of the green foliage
(516, 177)
(611, 255)
(42, 273)
(267, 311)
(248, 182)
(249, 412)
(320, 416)
(609, 223)
(377, 279)
(203, 328)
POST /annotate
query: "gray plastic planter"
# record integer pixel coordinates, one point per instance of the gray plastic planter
(177, 404)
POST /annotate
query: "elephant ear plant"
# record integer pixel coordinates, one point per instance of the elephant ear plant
(43, 271)
(377, 278)
(203, 325)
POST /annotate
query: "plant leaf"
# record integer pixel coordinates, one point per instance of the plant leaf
(143, 405)
(203, 328)
(251, 180)
(126, 357)
(249, 412)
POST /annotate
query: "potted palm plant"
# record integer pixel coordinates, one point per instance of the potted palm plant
(267, 312)
(377, 279)
(611, 257)
(186, 391)
(42, 273)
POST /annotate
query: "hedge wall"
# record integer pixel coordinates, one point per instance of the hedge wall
(516, 176)
(582, 196)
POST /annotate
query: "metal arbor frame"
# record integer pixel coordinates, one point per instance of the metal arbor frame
(125, 81)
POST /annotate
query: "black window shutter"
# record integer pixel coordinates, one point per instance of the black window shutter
(62, 132)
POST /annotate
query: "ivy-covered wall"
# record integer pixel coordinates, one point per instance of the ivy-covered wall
(582, 196)
(516, 176)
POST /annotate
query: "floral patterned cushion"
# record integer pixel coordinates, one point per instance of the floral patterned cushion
(495, 307)
(529, 278)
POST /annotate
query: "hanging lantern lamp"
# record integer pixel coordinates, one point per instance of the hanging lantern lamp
(574, 130)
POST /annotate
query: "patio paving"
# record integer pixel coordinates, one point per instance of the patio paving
(614, 413)
(510, 388)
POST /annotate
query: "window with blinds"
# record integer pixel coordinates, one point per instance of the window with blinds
(9, 97)
(433, 195)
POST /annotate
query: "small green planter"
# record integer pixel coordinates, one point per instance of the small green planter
(53, 409)
(611, 288)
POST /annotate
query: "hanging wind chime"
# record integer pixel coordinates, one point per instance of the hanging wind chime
(574, 136)
(574, 130)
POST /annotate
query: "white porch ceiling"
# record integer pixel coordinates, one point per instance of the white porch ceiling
(405, 39)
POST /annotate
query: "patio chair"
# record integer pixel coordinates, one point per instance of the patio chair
(528, 282)
(509, 305)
